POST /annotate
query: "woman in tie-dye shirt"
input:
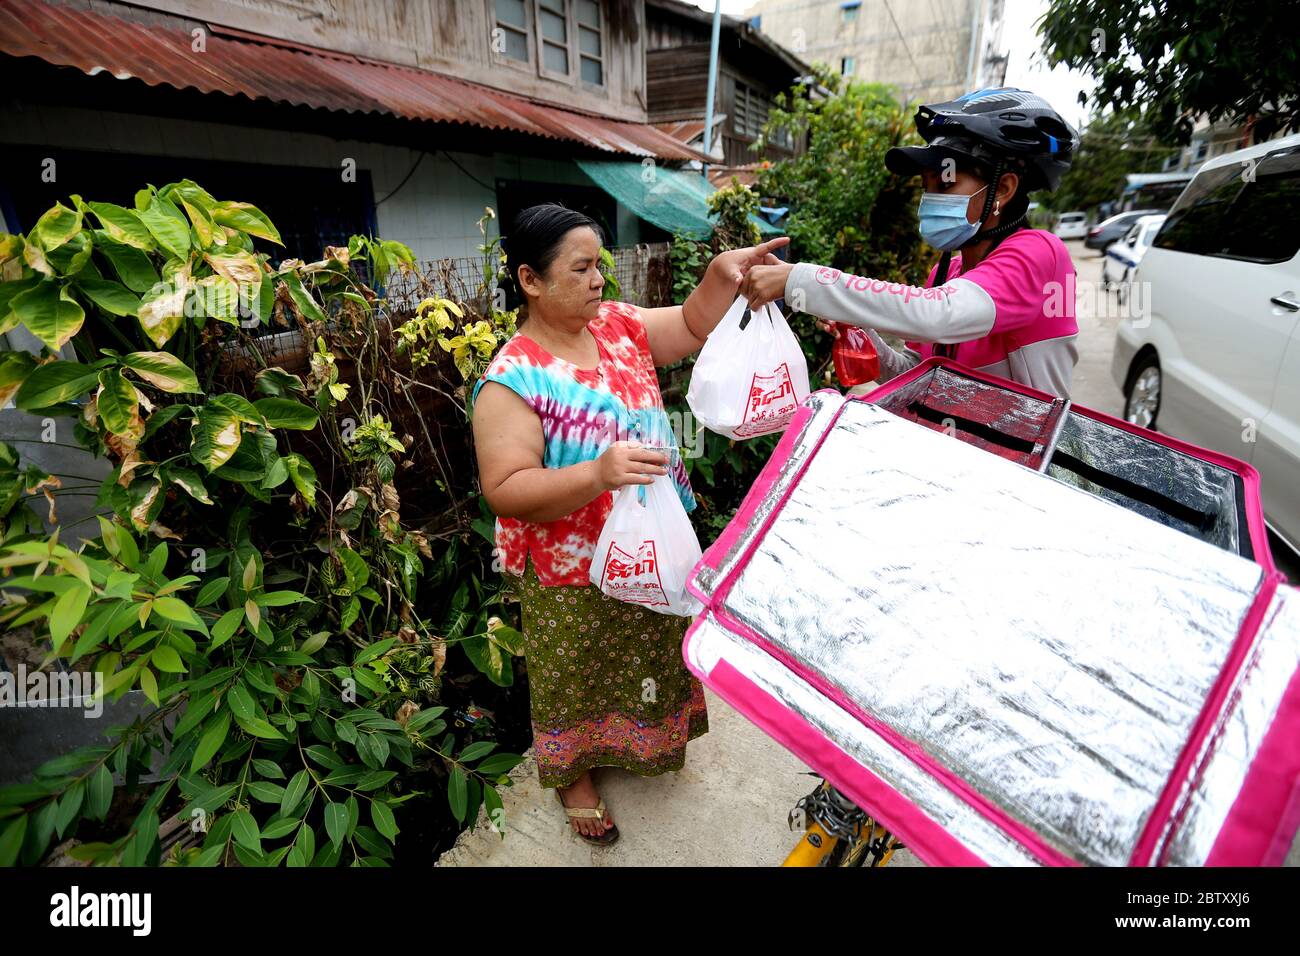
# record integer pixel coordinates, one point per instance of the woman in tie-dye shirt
(568, 412)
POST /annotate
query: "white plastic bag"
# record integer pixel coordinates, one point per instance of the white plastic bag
(748, 382)
(647, 549)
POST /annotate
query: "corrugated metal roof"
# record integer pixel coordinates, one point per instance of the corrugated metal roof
(262, 68)
(747, 175)
(683, 131)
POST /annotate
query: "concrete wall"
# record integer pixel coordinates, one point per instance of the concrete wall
(929, 61)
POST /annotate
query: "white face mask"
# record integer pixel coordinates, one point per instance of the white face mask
(942, 218)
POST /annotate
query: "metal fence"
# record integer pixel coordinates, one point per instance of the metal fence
(643, 271)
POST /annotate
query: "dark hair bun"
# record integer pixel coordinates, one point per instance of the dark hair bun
(534, 240)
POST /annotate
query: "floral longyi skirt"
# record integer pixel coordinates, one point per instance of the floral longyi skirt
(607, 683)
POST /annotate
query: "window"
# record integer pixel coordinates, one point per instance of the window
(1261, 225)
(511, 40)
(553, 35)
(781, 137)
(1226, 213)
(849, 10)
(847, 65)
(750, 111)
(591, 51)
(567, 37)
(1196, 217)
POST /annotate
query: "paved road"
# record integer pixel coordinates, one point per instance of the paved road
(1093, 385)
(729, 805)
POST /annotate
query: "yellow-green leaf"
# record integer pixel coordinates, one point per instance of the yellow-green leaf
(112, 297)
(246, 218)
(166, 224)
(178, 612)
(214, 436)
(117, 405)
(122, 225)
(162, 310)
(49, 313)
(162, 370)
(165, 658)
(219, 298)
(55, 382)
(15, 368)
(57, 226)
(203, 227)
(149, 684)
(67, 612)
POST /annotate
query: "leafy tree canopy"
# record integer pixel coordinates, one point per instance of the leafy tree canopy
(1179, 59)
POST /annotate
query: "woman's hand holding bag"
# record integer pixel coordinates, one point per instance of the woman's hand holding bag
(647, 549)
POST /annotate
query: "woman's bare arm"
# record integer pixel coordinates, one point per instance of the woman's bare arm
(509, 442)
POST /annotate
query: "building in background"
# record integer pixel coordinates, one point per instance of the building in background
(931, 51)
(334, 116)
(1159, 189)
(752, 70)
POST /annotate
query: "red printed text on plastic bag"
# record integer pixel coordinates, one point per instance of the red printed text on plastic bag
(771, 404)
(633, 578)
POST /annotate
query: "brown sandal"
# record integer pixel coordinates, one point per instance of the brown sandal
(597, 812)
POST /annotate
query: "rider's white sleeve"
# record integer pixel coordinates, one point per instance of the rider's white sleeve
(892, 361)
(958, 311)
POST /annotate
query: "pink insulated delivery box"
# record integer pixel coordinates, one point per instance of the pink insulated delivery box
(1015, 631)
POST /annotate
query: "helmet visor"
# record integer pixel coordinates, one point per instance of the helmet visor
(937, 156)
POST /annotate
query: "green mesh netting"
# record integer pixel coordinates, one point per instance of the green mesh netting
(675, 200)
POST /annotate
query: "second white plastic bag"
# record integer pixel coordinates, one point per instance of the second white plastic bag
(647, 549)
(748, 382)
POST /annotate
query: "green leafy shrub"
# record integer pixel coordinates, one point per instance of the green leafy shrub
(846, 210)
(256, 575)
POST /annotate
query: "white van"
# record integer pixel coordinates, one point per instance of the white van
(1216, 360)
(1071, 225)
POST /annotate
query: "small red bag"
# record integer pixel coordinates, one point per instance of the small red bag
(855, 356)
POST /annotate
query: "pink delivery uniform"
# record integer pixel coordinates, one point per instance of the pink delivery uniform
(1011, 316)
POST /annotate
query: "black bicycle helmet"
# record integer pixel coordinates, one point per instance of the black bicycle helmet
(1005, 126)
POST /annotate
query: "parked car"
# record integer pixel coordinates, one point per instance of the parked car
(1217, 359)
(1113, 229)
(1124, 255)
(1071, 225)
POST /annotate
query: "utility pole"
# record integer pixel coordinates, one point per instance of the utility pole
(713, 84)
(976, 21)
